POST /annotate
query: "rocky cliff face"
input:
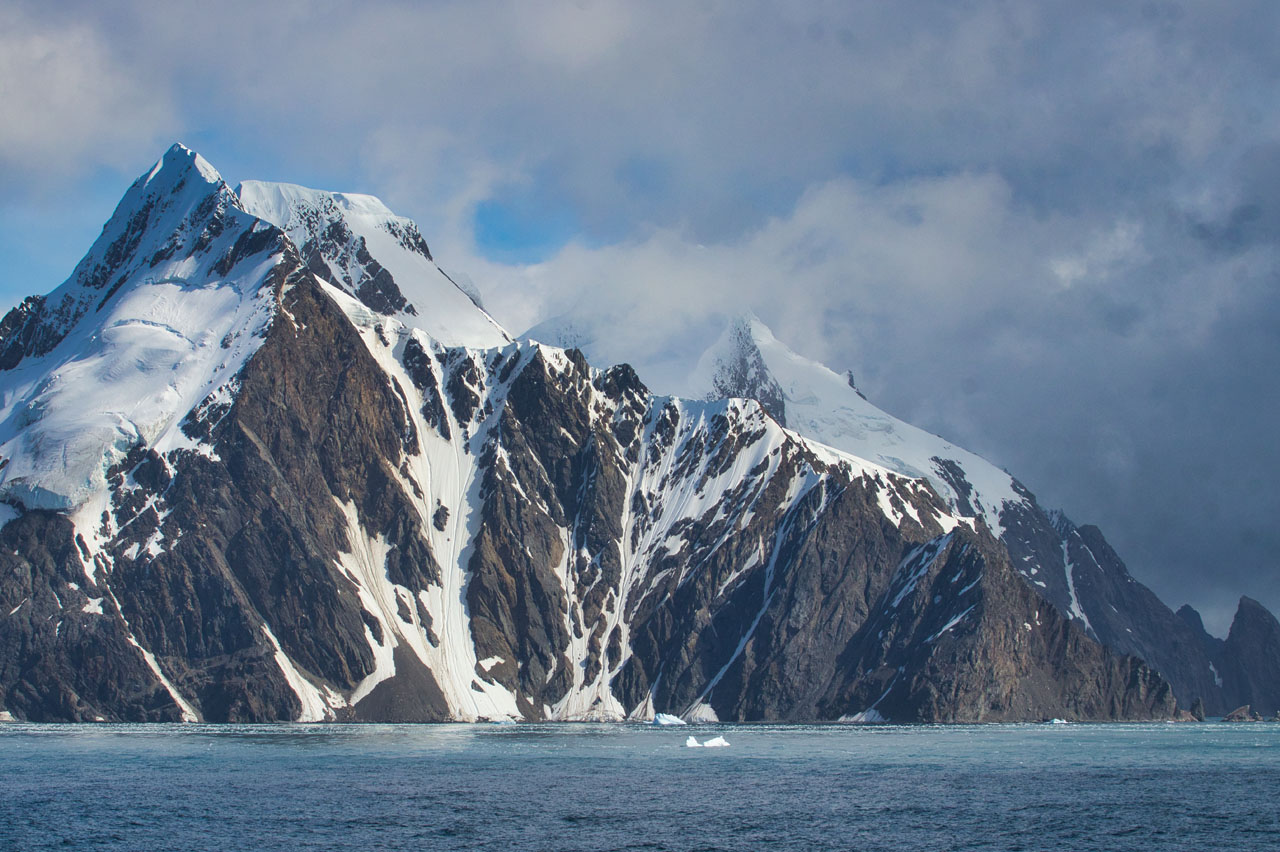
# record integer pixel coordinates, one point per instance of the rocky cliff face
(1250, 659)
(1077, 570)
(358, 520)
(999, 653)
(67, 657)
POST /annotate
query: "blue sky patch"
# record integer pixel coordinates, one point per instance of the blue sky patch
(522, 229)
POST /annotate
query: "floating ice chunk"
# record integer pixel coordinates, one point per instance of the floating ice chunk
(692, 742)
(667, 719)
(1056, 722)
(864, 717)
(703, 713)
(715, 742)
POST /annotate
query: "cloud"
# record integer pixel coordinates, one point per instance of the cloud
(949, 256)
(705, 117)
(70, 105)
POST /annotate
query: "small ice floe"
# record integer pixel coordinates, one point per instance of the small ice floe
(1056, 722)
(702, 713)
(714, 742)
(667, 719)
(870, 716)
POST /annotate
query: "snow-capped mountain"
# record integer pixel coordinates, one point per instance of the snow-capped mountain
(1072, 567)
(263, 460)
(813, 400)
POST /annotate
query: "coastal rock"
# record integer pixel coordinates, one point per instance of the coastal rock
(1078, 571)
(1001, 654)
(1242, 714)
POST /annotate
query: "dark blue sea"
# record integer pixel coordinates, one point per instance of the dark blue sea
(596, 787)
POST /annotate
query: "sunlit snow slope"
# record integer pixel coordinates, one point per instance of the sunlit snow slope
(819, 403)
(166, 308)
(356, 243)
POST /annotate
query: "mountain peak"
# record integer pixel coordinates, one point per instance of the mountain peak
(176, 286)
(176, 210)
(1191, 616)
(1251, 620)
(814, 400)
(1250, 608)
(735, 366)
(178, 181)
(180, 162)
(1252, 656)
(180, 171)
(749, 326)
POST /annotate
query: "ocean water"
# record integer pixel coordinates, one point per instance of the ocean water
(597, 787)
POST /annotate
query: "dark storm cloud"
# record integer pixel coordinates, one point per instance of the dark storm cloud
(1046, 231)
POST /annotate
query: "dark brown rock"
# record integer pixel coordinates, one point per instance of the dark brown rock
(1121, 613)
(64, 660)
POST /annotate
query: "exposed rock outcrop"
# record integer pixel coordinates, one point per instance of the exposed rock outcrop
(1244, 713)
(1073, 567)
(1078, 571)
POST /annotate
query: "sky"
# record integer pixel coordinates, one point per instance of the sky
(1046, 231)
